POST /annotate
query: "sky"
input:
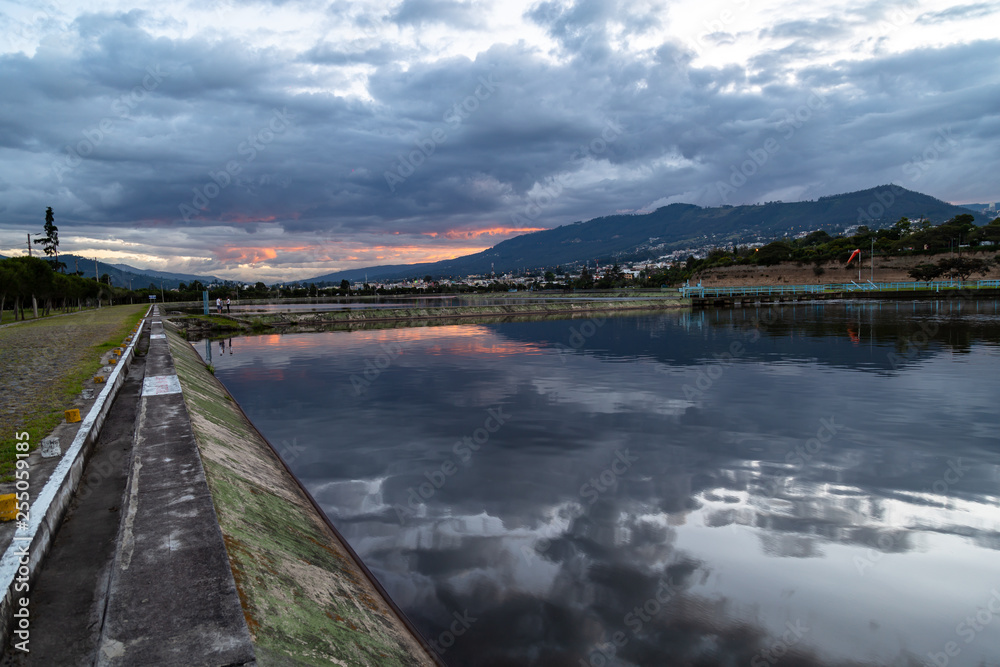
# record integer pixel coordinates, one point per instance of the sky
(280, 140)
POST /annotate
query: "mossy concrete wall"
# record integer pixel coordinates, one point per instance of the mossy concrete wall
(305, 598)
(563, 308)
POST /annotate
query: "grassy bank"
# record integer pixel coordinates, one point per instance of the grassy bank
(44, 364)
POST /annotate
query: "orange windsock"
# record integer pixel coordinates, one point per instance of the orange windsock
(853, 255)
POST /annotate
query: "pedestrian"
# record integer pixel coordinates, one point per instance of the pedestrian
(227, 305)
(218, 304)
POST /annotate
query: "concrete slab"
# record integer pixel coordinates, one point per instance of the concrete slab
(161, 385)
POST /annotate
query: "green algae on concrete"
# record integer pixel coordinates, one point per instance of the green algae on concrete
(305, 600)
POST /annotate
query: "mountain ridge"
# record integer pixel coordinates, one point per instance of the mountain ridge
(672, 227)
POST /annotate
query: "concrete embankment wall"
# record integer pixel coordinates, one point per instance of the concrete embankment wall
(461, 313)
(306, 597)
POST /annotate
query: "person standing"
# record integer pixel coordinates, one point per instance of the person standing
(218, 304)
(227, 305)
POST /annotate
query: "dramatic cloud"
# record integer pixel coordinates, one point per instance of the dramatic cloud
(279, 140)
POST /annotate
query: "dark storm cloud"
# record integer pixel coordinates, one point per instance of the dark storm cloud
(465, 142)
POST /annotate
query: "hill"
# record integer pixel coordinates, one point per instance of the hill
(673, 227)
(123, 274)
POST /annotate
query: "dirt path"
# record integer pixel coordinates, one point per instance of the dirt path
(43, 365)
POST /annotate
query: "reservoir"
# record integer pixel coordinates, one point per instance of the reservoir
(806, 485)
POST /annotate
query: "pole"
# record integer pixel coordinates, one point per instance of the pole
(872, 279)
(162, 298)
(29, 245)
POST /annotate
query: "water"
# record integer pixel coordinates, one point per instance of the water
(807, 485)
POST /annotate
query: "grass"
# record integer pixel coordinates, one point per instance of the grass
(47, 411)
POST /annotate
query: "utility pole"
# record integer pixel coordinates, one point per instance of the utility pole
(29, 245)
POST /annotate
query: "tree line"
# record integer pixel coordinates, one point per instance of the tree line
(30, 281)
(905, 237)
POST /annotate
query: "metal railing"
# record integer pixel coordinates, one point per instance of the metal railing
(868, 286)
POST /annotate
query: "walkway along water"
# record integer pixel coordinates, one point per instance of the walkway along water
(220, 557)
(306, 597)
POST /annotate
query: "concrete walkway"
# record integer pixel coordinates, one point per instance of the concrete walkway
(172, 599)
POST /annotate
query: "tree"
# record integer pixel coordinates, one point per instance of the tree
(345, 285)
(774, 253)
(963, 267)
(50, 241)
(925, 272)
(29, 277)
(902, 227)
(7, 285)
